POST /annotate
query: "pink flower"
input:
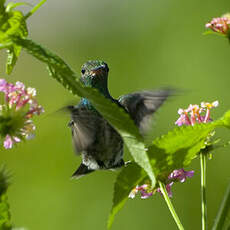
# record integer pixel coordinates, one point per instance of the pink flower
(145, 195)
(180, 174)
(220, 25)
(144, 189)
(183, 119)
(168, 189)
(8, 143)
(3, 84)
(19, 107)
(196, 114)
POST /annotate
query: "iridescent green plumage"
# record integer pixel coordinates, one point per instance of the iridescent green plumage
(99, 144)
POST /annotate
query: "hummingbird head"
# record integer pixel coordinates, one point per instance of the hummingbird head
(95, 74)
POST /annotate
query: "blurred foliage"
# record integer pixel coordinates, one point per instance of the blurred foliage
(5, 222)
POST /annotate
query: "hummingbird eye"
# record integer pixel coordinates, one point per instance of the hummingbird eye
(83, 71)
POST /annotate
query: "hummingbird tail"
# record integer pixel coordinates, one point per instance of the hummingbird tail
(81, 171)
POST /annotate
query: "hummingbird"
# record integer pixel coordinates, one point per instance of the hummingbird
(98, 143)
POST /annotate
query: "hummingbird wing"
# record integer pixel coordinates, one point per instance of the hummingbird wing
(141, 106)
(84, 127)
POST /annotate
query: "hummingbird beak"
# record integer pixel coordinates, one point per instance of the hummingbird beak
(97, 71)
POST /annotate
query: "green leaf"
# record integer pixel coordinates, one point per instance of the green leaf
(12, 23)
(5, 223)
(180, 146)
(222, 221)
(226, 120)
(4, 213)
(13, 54)
(127, 179)
(2, 7)
(115, 115)
(12, 5)
(215, 33)
(5, 217)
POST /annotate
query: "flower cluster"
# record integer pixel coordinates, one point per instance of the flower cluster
(19, 107)
(220, 25)
(178, 175)
(144, 189)
(196, 114)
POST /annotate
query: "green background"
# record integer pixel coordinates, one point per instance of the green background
(147, 44)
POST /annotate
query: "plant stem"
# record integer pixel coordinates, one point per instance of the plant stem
(170, 206)
(223, 212)
(203, 190)
(35, 9)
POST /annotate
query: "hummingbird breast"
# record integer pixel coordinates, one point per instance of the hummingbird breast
(107, 149)
(100, 145)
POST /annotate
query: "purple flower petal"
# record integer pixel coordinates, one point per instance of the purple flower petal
(180, 174)
(145, 195)
(3, 85)
(189, 173)
(168, 189)
(144, 191)
(8, 142)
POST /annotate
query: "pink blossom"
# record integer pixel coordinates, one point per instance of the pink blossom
(183, 119)
(177, 175)
(145, 194)
(20, 106)
(180, 174)
(220, 25)
(3, 84)
(168, 189)
(143, 189)
(8, 142)
(196, 114)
